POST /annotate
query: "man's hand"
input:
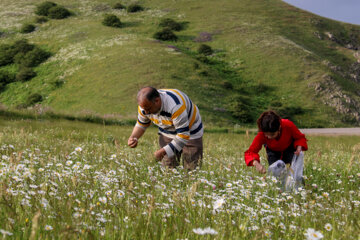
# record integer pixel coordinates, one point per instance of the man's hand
(298, 150)
(159, 154)
(259, 167)
(132, 142)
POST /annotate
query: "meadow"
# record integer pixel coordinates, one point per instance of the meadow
(70, 180)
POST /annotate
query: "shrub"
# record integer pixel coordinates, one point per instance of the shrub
(111, 20)
(33, 98)
(205, 50)
(27, 28)
(170, 23)
(58, 12)
(262, 88)
(2, 86)
(119, 6)
(203, 73)
(41, 19)
(6, 77)
(227, 85)
(276, 104)
(203, 59)
(33, 58)
(6, 54)
(134, 8)
(22, 46)
(43, 8)
(25, 74)
(240, 109)
(165, 35)
(289, 112)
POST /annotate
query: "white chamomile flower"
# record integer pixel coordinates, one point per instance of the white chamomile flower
(48, 228)
(78, 149)
(328, 227)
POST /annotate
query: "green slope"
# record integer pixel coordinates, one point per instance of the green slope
(266, 50)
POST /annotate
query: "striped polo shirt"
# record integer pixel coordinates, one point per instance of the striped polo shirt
(178, 119)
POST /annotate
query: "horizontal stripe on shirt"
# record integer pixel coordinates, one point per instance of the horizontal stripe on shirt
(166, 114)
(186, 137)
(184, 129)
(197, 129)
(166, 131)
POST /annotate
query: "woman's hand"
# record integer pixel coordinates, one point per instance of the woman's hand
(259, 167)
(298, 150)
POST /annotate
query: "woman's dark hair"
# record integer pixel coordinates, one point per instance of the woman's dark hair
(269, 121)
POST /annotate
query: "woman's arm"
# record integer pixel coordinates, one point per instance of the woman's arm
(253, 152)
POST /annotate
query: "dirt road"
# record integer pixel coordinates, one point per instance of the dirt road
(331, 131)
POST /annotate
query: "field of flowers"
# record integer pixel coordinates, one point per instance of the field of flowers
(66, 180)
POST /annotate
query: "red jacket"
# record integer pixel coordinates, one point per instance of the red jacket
(289, 133)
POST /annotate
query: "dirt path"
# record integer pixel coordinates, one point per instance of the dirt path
(331, 131)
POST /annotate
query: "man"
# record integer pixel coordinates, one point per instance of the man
(179, 122)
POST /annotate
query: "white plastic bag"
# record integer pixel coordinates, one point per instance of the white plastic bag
(277, 168)
(295, 176)
(291, 178)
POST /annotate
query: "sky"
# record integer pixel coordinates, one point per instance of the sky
(341, 10)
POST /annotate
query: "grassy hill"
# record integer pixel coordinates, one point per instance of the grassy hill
(267, 54)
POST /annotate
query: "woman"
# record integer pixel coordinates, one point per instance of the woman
(280, 137)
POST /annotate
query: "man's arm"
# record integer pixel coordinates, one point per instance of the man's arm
(135, 135)
(142, 123)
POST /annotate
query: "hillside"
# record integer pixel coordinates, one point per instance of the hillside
(267, 54)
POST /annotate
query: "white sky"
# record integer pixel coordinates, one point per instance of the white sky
(341, 10)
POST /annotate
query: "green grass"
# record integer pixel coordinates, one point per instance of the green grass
(84, 182)
(99, 69)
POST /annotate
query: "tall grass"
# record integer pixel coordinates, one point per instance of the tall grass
(70, 180)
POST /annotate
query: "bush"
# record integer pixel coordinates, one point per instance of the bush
(119, 6)
(7, 54)
(111, 20)
(276, 104)
(227, 85)
(289, 112)
(22, 46)
(27, 28)
(6, 77)
(240, 109)
(25, 74)
(43, 8)
(33, 99)
(134, 8)
(262, 88)
(41, 19)
(170, 23)
(205, 50)
(165, 35)
(32, 58)
(203, 59)
(58, 12)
